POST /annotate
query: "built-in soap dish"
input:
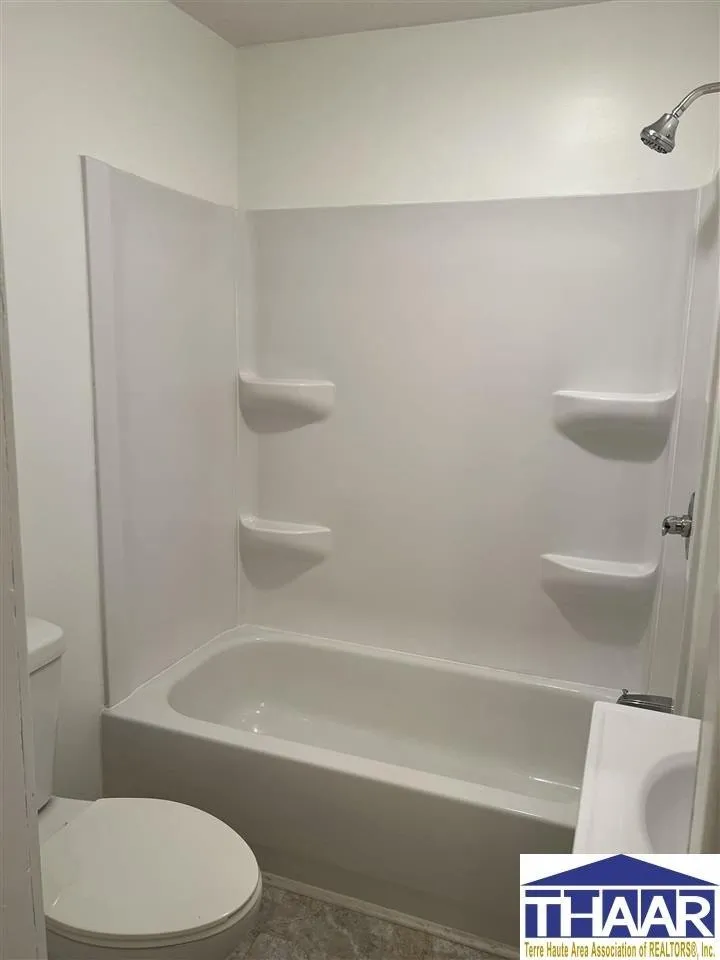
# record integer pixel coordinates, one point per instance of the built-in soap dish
(273, 404)
(606, 601)
(621, 426)
(307, 538)
(586, 573)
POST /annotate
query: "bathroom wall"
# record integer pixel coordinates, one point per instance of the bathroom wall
(670, 657)
(162, 299)
(459, 111)
(428, 115)
(443, 470)
(141, 86)
(536, 104)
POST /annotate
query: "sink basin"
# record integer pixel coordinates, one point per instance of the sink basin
(669, 803)
(639, 782)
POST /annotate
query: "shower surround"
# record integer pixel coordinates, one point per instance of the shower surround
(446, 470)
(442, 437)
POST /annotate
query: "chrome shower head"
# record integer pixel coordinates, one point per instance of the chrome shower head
(660, 135)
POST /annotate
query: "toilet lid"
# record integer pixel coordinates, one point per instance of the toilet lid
(143, 869)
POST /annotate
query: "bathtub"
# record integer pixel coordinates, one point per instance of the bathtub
(405, 781)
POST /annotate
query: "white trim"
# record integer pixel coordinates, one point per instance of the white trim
(22, 923)
(702, 688)
(704, 558)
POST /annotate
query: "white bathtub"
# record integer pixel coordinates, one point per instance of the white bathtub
(405, 781)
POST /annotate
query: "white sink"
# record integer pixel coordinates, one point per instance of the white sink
(639, 781)
(668, 803)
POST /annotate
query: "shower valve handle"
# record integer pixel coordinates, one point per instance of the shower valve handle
(677, 526)
(680, 526)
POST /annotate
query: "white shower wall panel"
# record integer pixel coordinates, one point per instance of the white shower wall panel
(162, 279)
(446, 329)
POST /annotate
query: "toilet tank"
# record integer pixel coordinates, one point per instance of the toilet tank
(45, 648)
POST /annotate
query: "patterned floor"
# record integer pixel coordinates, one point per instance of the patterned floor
(294, 927)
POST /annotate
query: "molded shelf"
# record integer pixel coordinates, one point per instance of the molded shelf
(616, 426)
(584, 572)
(309, 400)
(614, 409)
(305, 537)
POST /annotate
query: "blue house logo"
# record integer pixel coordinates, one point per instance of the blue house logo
(619, 897)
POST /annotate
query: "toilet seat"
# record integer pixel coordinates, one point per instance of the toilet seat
(146, 872)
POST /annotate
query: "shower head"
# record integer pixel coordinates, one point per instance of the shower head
(660, 135)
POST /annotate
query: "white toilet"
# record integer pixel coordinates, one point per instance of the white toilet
(131, 877)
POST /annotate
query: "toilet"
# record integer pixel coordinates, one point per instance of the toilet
(131, 877)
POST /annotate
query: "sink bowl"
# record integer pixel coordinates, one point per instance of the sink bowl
(639, 782)
(669, 803)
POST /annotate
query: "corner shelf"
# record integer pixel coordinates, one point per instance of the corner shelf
(302, 537)
(630, 578)
(311, 400)
(614, 409)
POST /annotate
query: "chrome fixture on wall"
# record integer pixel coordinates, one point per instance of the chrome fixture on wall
(660, 135)
(681, 526)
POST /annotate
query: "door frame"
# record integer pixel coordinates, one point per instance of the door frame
(701, 690)
(22, 921)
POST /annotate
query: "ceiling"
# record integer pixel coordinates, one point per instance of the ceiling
(245, 22)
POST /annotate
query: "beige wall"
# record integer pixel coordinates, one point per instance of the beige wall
(147, 89)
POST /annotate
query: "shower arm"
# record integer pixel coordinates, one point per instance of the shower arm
(693, 96)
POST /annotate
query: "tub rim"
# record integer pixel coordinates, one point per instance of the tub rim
(149, 705)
